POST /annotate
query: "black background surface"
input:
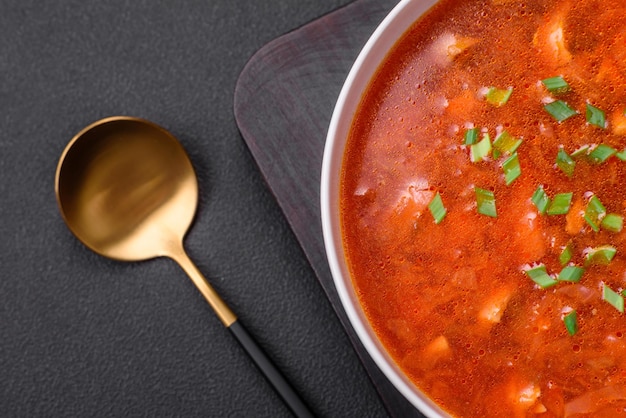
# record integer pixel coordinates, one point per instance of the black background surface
(81, 335)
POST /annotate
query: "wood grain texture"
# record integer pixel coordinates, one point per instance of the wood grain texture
(284, 100)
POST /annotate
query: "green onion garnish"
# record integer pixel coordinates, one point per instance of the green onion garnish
(566, 255)
(556, 84)
(613, 298)
(471, 136)
(571, 274)
(612, 222)
(571, 324)
(600, 255)
(621, 155)
(565, 162)
(506, 143)
(486, 202)
(480, 150)
(540, 276)
(596, 116)
(594, 212)
(601, 153)
(559, 110)
(512, 169)
(560, 204)
(498, 97)
(541, 200)
(437, 209)
(580, 152)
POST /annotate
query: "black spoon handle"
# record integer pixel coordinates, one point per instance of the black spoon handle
(229, 319)
(270, 371)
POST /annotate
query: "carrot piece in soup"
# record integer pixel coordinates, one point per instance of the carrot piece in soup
(529, 237)
(459, 45)
(574, 220)
(437, 349)
(524, 395)
(492, 311)
(463, 106)
(550, 38)
(618, 122)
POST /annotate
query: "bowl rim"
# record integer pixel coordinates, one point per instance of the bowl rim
(391, 29)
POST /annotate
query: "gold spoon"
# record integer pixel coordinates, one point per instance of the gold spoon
(127, 190)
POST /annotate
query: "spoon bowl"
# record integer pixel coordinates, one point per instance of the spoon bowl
(127, 190)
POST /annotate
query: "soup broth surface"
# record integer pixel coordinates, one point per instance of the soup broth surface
(506, 299)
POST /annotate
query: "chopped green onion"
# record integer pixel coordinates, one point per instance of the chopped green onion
(481, 150)
(621, 155)
(471, 135)
(613, 298)
(596, 116)
(566, 255)
(437, 209)
(594, 212)
(559, 110)
(560, 204)
(565, 162)
(600, 255)
(580, 152)
(556, 84)
(601, 153)
(512, 169)
(571, 324)
(506, 143)
(498, 97)
(540, 276)
(541, 200)
(612, 222)
(486, 202)
(571, 274)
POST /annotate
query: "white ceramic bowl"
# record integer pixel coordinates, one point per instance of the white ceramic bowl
(388, 32)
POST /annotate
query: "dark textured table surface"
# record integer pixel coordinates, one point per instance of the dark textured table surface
(81, 335)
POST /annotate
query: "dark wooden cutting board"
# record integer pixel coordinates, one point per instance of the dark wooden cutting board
(284, 100)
